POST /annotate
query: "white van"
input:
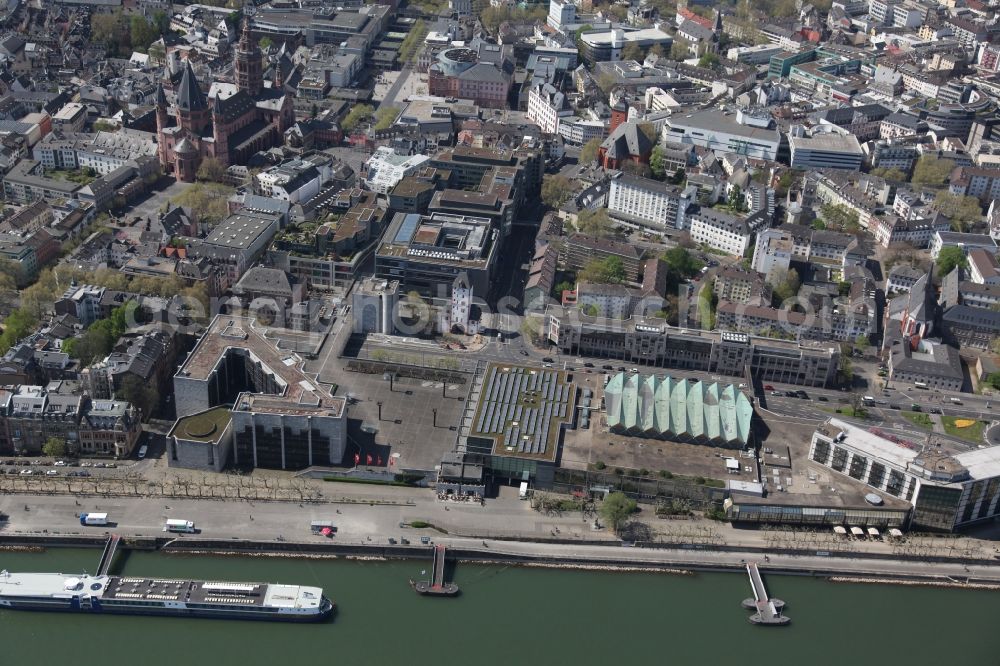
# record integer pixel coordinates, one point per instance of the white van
(142, 451)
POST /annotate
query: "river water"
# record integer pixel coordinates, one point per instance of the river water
(510, 615)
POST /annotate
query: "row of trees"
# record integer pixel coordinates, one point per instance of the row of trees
(37, 300)
(411, 44)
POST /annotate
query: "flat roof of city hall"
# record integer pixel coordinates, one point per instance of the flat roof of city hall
(522, 409)
(232, 332)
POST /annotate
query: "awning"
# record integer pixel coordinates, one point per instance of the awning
(893, 532)
(872, 532)
(326, 531)
(837, 529)
(857, 531)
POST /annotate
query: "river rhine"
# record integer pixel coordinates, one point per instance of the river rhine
(510, 615)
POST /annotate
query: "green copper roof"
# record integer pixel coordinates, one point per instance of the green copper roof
(655, 406)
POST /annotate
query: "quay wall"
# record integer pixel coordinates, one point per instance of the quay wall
(682, 560)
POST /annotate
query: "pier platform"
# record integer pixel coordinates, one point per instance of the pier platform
(768, 611)
(436, 586)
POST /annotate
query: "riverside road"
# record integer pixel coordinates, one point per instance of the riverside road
(469, 526)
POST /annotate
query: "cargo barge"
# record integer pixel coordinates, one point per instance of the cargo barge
(155, 596)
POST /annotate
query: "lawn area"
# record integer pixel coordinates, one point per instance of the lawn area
(973, 433)
(920, 419)
(862, 413)
(78, 176)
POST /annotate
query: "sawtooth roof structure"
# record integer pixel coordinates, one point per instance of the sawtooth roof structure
(678, 409)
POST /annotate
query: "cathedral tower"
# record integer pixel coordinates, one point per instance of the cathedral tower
(249, 64)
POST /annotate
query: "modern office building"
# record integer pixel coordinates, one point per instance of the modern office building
(742, 133)
(602, 45)
(280, 417)
(426, 253)
(948, 491)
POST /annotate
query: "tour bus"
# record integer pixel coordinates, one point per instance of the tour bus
(175, 525)
(921, 385)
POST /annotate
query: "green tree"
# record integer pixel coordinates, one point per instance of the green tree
(709, 61)
(578, 36)
(143, 33)
(890, 174)
(839, 217)
(678, 176)
(609, 270)
(594, 222)
(655, 50)
(211, 170)
(54, 447)
(606, 82)
(207, 202)
(142, 394)
(845, 371)
(264, 43)
(707, 302)
(950, 257)
(993, 379)
(785, 284)
(964, 212)
(414, 39)
(863, 341)
(736, 198)
(556, 190)
(385, 117)
(633, 51)
(680, 49)
(616, 510)
(818, 224)
(682, 262)
(995, 345)
(357, 115)
(657, 163)
(931, 170)
(561, 287)
(590, 310)
(588, 153)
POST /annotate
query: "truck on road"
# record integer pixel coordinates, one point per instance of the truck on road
(93, 519)
(177, 525)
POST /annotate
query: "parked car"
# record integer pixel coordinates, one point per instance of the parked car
(547, 359)
(768, 387)
(588, 365)
(822, 398)
(52, 472)
(60, 463)
(26, 472)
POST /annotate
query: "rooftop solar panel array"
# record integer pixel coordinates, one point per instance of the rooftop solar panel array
(519, 405)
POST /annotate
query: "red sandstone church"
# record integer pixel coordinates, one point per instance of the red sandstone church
(232, 124)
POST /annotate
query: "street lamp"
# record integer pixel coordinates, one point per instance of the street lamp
(379, 403)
